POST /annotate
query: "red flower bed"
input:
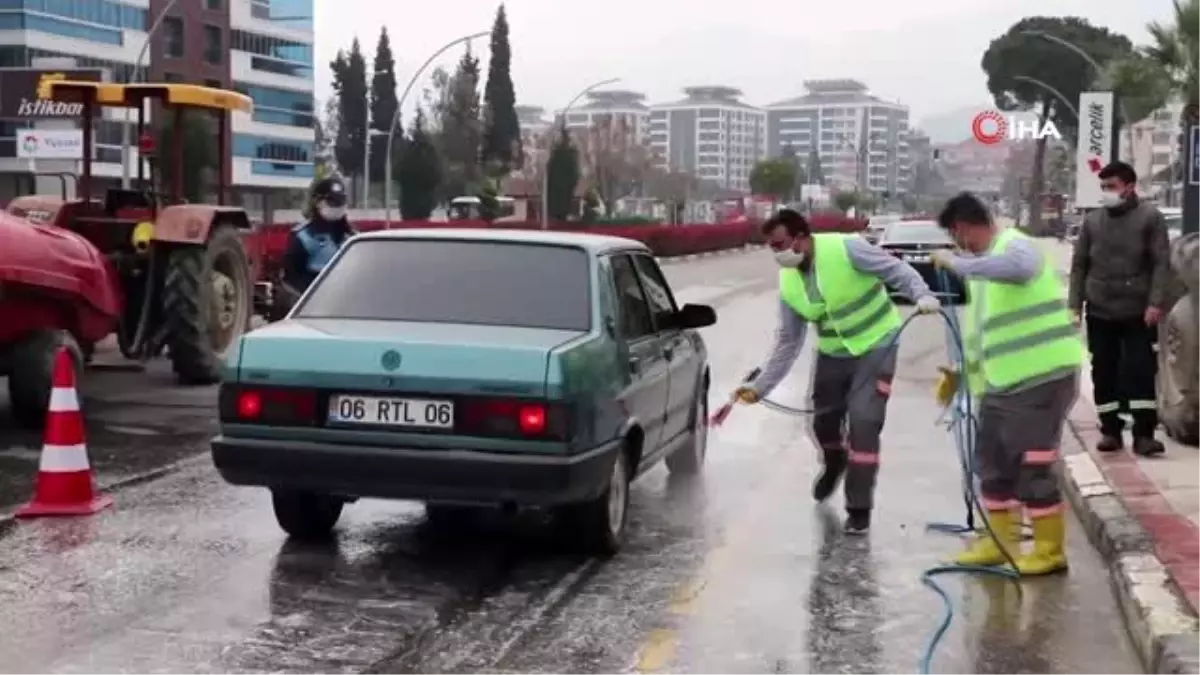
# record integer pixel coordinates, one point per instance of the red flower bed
(268, 242)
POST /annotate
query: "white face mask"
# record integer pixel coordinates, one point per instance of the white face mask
(331, 213)
(788, 258)
(1111, 199)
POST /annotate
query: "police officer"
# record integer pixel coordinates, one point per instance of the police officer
(1023, 353)
(838, 282)
(312, 244)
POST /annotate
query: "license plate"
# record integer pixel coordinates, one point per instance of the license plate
(915, 257)
(391, 412)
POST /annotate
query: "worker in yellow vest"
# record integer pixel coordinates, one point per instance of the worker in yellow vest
(1022, 352)
(838, 282)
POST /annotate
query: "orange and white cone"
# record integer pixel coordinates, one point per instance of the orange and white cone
(64, 480)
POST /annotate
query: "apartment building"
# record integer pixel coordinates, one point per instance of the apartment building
(262, 48)
(861, 139)
(711, 134)
(611, 108)
(1152, 147)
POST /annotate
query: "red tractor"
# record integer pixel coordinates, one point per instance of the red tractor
(160, 273)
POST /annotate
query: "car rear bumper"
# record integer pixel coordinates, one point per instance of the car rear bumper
(462, 476)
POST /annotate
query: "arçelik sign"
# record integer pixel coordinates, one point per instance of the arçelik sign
(991, 127)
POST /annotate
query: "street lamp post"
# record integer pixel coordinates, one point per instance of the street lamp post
(1115, 142)
(366, 194)
(562, 127)
(126, 135)
(391, 132)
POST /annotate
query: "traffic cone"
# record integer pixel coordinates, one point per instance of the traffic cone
(64, 481)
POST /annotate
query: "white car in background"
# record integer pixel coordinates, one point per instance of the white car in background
(1173, 219)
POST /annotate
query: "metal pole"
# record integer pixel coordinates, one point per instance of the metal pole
(550, 148)
(1057, 94)
(126, 141)
(391, 134)
(1101, 80)
(366, 193)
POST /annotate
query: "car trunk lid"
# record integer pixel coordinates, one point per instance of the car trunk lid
(399, 356)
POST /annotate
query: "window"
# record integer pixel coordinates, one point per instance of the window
(215, 84)
(212, 5)
(410, 280)
(631, 303)
(172, 77)
(658, 292)
(172, 28)
(212, 44)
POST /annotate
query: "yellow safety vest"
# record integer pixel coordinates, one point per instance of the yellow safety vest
(855, 313)
(1015, 333)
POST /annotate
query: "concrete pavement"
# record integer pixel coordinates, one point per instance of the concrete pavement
(1142, 515)
(736, 572)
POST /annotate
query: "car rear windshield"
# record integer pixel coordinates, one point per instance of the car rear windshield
(491, 283)
(916, 233)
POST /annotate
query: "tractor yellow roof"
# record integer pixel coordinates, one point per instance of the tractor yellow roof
(108, 94)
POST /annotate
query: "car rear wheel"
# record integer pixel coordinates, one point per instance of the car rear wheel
(688, 459)
(306, 515)
(599, 524)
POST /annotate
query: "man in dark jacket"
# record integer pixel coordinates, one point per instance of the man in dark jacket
(312, 244)
(1118, 282)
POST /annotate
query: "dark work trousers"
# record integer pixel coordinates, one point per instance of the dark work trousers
(1018, 442)
(850, 395)
(1123, 371)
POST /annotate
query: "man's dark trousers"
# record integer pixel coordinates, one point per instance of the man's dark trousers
(1123, 372)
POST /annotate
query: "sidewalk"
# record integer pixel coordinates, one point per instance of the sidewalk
(1142, 515)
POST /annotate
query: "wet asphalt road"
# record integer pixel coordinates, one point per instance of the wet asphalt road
(737, 572)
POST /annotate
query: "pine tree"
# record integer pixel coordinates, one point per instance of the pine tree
(502, 134)
(383, 105)
(419, 171)
(350, 86)
(460, 128)
(562, 177)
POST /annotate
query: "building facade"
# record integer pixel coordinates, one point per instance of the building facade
(710, 134)
(611, 107)
(861, 140)
(264, 49)
(260, 47)
(1152, 147)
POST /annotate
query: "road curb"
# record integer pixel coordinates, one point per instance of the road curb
(710, 254)
(1163, 628)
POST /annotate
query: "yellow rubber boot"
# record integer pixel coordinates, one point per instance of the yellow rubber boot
(987, 550)
(1048, 555)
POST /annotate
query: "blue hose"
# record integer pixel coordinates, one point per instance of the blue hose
(963, 425)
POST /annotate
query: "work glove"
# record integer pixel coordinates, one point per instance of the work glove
(928, 305)
(947, 385)
(746, 394)
(942, 258)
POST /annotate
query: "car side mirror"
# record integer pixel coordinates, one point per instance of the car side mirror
(695, 316)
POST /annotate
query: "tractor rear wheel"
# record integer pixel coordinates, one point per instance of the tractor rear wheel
(206, 304)
(32, 375)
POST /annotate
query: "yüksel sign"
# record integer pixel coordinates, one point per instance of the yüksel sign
(19, 92)
(1093, 151)
(50, 144)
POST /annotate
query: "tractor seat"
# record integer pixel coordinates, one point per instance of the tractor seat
(116, 199)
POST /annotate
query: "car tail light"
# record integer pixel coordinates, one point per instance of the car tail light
(513, 418)
(273, 406)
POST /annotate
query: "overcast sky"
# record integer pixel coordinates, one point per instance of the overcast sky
(925, 53)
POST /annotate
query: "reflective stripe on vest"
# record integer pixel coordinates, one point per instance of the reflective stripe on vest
(1016, 333)
(320, 247)
(854, 312)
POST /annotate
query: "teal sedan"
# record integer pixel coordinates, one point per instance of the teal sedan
(468, 369)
